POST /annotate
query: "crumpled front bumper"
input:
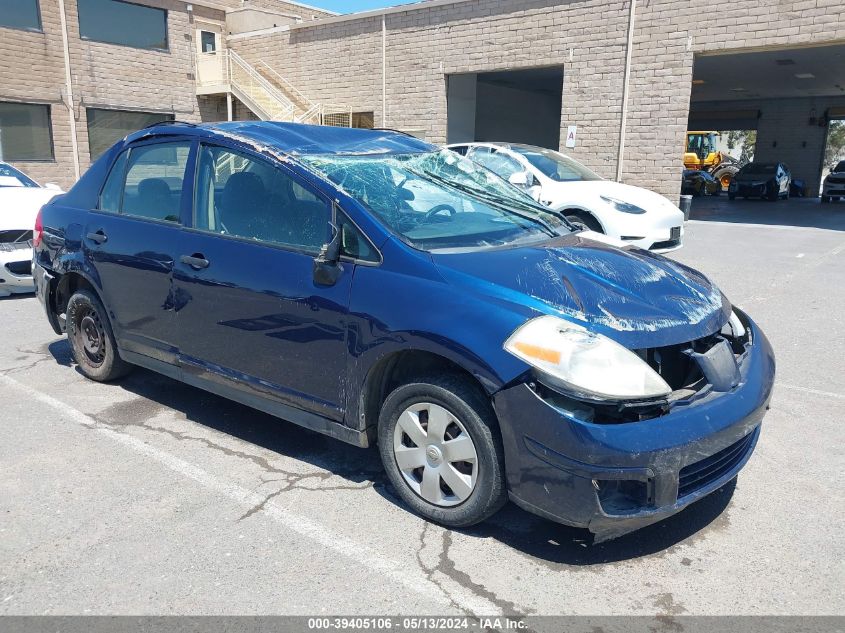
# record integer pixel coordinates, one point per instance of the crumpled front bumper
(556, 464)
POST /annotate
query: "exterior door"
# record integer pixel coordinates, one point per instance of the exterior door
(132, 238)
(211, 69)
(252, 315)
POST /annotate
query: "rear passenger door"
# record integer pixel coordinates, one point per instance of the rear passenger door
(131, 240)
(253, 319)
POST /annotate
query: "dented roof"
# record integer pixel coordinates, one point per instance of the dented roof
(298, 139)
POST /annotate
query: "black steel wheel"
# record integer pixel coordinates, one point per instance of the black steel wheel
(92, 340)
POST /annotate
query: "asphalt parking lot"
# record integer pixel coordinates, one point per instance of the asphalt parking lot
(151, 497)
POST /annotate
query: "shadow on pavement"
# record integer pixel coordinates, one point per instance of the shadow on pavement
(532, 535)
(802, 212)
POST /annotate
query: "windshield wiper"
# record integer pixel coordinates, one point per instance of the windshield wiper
(500, 203)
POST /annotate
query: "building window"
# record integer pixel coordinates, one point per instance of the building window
(207, 42)
(365, 120)
(107, 127)
(25, 132)
(20, 14)
(117, 22)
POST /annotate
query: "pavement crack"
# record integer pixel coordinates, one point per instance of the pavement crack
(294, 480)
(260, 506)
(445, 566)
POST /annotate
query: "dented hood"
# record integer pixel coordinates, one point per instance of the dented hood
(635, 297)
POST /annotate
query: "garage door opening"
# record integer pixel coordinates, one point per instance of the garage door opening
(518, 106)
(771, 106)
(834, 150)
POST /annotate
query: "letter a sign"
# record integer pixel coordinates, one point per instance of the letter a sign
(570, 135)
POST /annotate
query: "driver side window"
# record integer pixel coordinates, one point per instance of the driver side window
(248, 197)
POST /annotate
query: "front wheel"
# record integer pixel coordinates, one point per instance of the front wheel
(440, 446)
(92, 340)
(584, 222)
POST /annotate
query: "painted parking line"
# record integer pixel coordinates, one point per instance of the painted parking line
(815, 392)
(411, 578)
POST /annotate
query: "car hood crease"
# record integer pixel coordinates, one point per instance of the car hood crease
(635, 297)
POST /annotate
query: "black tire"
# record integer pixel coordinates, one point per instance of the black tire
(773, 195)
(731, 196)
(92, 340)
(825, 199)
(584, 220)
(469, 405)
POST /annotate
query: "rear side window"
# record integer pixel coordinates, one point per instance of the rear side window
(113, 189)
(251, 198)
(155, 176)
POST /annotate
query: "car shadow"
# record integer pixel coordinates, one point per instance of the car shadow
(18, 296)
(799, 212)
(534, 536)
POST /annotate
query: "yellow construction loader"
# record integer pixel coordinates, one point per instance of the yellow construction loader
(701, 153)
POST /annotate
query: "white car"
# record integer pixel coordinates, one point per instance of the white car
(833, 187)
(632, 215)
(20, 199)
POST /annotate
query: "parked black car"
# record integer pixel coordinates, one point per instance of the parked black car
(696, 182)
(761, 180)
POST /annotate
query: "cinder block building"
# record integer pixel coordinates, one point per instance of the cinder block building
(626, 78)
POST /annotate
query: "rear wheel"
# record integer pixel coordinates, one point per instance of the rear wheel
(91, 339)
(731, 196)
(825, 199)
(440, 446)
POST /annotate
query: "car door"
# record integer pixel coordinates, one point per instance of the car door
(250, 314)
(131, 240)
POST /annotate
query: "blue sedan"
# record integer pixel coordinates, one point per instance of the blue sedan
(375, 288)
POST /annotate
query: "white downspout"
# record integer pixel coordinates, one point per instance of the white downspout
(624, 122)
(383, 70)
(69, 89)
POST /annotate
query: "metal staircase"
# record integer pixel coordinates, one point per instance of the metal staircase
(264, 91)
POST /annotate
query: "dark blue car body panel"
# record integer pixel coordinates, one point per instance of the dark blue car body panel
(256, 327)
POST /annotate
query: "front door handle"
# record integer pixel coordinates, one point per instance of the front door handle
(97, 236)
(197, 261)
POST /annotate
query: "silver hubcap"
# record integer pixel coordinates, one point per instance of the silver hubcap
(435, 454)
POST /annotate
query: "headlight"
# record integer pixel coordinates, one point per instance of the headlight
(621, 205)
(584, 363)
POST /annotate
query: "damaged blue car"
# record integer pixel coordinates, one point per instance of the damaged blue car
(375, 288)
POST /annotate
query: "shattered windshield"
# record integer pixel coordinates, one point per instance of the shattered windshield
(439, 199)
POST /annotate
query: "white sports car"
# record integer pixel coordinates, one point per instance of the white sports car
(630, 214)
(20, 199)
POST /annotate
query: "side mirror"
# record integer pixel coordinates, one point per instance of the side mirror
(53, 186)
(521, 179)
(327, 268)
